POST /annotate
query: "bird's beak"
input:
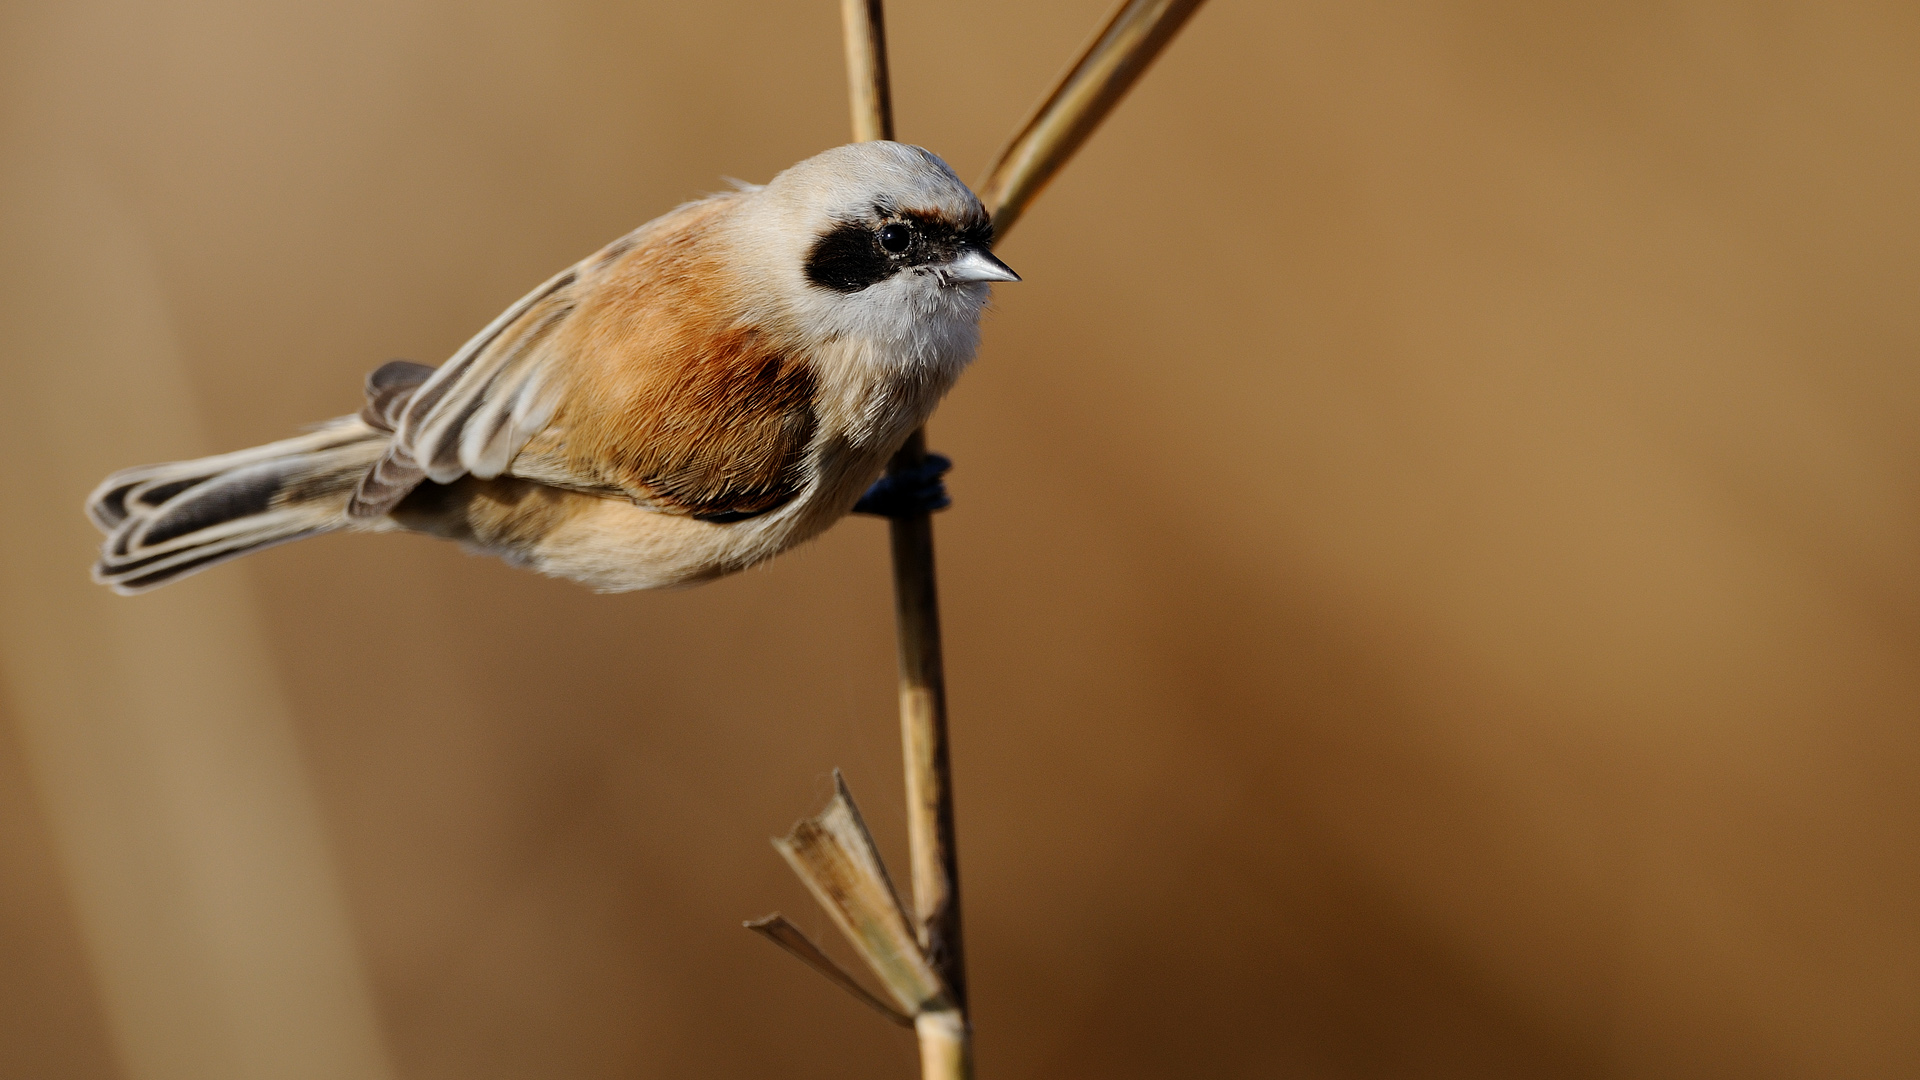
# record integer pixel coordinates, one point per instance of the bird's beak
(973, 264)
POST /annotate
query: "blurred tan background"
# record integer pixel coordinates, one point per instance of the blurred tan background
(1434, 589)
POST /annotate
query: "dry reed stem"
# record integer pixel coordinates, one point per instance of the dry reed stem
(832, 852)
(945, 1039)
(869, 89)
(1108, 67)
(923, 704)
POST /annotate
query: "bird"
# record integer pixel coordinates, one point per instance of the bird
(718, 385)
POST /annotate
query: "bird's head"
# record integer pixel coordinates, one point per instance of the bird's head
(879, 240)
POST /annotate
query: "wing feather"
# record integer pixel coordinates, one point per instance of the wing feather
(470, 390)
(466, 416)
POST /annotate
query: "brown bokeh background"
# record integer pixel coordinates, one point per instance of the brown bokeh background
(1434, 588)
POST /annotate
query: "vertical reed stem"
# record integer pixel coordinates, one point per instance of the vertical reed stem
(869, 90)
(923, 740)
(946, 1038)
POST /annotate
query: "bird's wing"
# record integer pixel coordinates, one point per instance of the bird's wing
(487, 401)
(664, 395)
(473, 413)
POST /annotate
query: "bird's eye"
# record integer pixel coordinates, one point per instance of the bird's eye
(896, 237)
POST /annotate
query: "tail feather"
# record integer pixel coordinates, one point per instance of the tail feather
(166, 521)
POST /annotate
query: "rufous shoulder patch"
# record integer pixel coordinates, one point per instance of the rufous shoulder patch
(673, 395)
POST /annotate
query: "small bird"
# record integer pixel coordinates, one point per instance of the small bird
(718, 385)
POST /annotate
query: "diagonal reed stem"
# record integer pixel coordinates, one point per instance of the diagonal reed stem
(1107, 68)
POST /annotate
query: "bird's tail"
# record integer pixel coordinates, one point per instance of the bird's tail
(167, 521)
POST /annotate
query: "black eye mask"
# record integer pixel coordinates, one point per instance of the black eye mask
(856, 254)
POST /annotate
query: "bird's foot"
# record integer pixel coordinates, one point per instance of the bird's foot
(909, 492)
